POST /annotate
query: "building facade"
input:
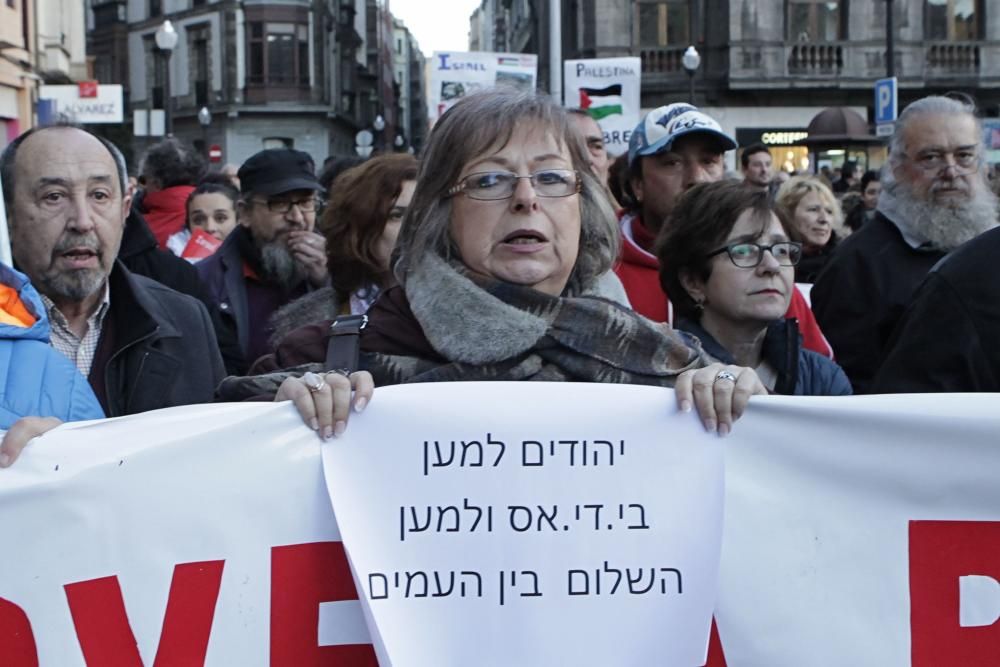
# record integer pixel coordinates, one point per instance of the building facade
(408, 64)
(16, 55)
(41, 42)
(306, 74)
(768, 66)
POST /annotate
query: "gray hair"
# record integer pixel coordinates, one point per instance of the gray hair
(934, 104)
(8, 160)
(467, 130)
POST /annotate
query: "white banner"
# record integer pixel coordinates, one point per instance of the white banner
(858, 531)
(188, 536)
(527, 528)
(608, 89)
(863, 531)
(455, 74)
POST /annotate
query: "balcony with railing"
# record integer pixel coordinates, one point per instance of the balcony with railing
(662, 60)
(949, 59)
(815, 60)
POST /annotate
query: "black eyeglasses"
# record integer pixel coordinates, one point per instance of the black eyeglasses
(283, 206)
(749, 255)
(491, 185)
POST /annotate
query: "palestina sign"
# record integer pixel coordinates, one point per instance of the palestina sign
(607, 89)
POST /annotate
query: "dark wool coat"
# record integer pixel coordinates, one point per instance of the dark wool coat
(863, 291)
(948, 338)
(157, 348)
(140, 254)
(801, 372)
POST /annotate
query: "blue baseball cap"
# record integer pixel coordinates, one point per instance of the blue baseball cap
(658, 130)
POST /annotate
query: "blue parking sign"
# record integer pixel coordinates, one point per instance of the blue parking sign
(885, 100)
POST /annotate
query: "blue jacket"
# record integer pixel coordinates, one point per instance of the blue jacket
(35, 379)
(801, 372)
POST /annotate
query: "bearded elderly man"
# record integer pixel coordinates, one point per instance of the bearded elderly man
(934, 198)
(141, 345)
(272, 258)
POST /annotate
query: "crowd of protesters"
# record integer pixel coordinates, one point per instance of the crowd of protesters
(495, 256)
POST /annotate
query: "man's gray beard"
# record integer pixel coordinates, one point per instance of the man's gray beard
(943, 226)
(280, 267)
(72, 286)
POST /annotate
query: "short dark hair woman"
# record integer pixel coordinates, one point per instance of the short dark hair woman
(728, 264)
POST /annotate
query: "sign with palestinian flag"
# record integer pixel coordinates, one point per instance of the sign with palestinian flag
(608, 90)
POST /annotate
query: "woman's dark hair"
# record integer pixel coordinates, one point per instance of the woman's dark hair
(171, 162)
(212, 184)
(334, 167)
(353, 221)
(700, 223)
(870, 175)
(618, 182)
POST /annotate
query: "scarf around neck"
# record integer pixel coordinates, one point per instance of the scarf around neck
(486, 329)
(448, 325)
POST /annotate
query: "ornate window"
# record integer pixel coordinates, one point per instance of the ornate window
(279, 53)
(811, 21)
(953, 20)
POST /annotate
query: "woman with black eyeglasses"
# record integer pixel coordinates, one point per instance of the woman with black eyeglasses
(729, 266)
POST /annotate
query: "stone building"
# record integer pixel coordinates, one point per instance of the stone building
(769, 66)
(41, 42)
(307, 74)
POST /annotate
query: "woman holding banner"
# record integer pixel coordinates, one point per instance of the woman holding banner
(731, 264)
(503, 266)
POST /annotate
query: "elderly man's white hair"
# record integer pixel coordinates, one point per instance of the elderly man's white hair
(934, 104)
(940, 226)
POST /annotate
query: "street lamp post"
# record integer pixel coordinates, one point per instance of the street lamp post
(890, 45)
(379, 124)
(691, 60)
(166, 40)
(204, 119)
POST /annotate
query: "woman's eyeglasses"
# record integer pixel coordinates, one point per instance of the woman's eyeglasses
(749, 255)
(491, 185)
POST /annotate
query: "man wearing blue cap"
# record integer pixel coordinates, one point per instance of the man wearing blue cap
(674, 148)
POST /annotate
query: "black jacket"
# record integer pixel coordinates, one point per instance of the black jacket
(801, 372)
(157, 348)
(225, 281)
(140, 254)
(861, 294)
(810, 266)
(948, 338)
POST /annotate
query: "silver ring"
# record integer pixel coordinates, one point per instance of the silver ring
(725, 375)
(314, 382)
